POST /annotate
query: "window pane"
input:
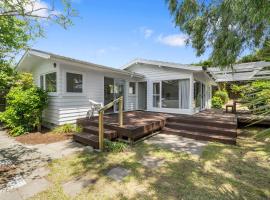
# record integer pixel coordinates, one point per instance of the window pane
(156, 95)
(51, 82)
(156, 101)
(74, 82)
(156, 88)
(132, 88)
(41, 84)
(170, 94)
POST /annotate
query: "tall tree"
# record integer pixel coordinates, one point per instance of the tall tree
(226, 27)
(23, 20)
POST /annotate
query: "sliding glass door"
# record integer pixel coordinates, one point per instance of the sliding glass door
(199, 95)
(113, 89)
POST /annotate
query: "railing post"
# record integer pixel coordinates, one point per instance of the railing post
(101, 130)
(120, 112)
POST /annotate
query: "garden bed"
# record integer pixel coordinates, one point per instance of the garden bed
(44, 137)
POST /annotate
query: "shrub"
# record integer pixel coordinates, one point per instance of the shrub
(115, 147)
(67, 128)
(25, 103)
(223, 95)
(217, 102)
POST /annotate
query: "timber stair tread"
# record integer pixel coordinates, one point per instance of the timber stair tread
(209, 122)
(87, 139)
(200, 135)
(108, 133)
(203, 128)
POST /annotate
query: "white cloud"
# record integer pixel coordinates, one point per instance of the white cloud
(103, 51)
(39, 8)
(147, 32)
(175, 40)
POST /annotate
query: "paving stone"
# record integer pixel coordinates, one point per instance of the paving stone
(177, 143)
(152, 162)
(118, 173)
(33, 188)
(74, 187)
(10, 195)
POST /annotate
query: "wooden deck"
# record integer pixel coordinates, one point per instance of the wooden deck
(207, 125)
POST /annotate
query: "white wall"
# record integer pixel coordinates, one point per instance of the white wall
(67, 107)
(154, 74)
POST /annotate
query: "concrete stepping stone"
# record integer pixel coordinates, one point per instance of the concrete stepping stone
(74, 187)
(118, 173)
(26, 191)
(152, 162)
(34, 187)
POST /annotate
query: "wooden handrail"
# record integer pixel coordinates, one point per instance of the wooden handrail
(101, 119)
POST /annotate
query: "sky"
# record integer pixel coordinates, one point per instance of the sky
(114, 32)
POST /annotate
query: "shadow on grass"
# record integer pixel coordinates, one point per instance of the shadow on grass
(222, 172)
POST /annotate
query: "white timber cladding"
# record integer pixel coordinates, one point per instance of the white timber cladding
(66, 107)
(50, 115)
(157, 74)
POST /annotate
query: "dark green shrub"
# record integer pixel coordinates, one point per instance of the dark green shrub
(115, 147)
(25, 103)
(217, 102)
(223, 95)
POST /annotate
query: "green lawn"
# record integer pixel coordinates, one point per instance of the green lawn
(222, 172)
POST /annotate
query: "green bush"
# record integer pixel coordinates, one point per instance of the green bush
(217, 102)
(67, 128)
(223, 95)
(115, 147)
(25, 103)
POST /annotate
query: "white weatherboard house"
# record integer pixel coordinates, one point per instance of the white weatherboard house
(146, 85)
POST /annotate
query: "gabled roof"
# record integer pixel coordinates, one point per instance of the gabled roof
(49, 55)
(242, 72)
(163, 64)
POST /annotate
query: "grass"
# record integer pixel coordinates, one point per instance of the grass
(221, 172)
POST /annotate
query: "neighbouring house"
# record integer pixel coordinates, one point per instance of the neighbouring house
(145, 85)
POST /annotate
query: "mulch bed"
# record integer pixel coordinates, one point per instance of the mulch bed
(44, 137)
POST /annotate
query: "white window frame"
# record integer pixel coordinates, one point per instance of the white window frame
(64, 85)
(44, 82)
(154, 95)
(67, 80)
(135, 89)
(160, 99)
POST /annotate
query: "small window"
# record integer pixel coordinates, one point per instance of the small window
(50, 82)
(74, 82)
(41, 82)
(132, 88)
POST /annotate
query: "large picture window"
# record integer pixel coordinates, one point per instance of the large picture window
(170, 94)
(156, 95)
(50, 82)
(74, 82)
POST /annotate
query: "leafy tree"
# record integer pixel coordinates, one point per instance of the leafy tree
(227, 27)
(23, 20)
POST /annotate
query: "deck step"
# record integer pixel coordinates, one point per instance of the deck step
(109, 134)
(87, 139)
(202, 121)
(200, 136)
(203, 129)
